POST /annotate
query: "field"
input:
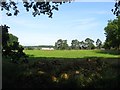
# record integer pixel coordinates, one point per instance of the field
(63, 69)
(73, 53)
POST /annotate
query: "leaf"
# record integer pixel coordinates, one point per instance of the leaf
(9, 14)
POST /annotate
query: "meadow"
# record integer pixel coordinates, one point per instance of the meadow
(73, 53)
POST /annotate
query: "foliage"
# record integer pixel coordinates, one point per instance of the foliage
(112, 32)
(38, 47)
(75, 44)
(61, 73)
(116, 10)
(99, 44)
(10, 46)
(29, 47)
(89, 43)
(82, 45)
(12, 39)
(41, 6)
(38, 6)
(5, 36)
(61, 44)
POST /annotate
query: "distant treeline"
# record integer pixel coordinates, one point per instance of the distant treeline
(75, 45)
(38, 47)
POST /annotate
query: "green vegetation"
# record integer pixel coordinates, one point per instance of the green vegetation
(87, 44)
(38, 6)
(112, 32)
(11, 47)
(61, 73)
(61, 68)
(73, 53)
(46, 7)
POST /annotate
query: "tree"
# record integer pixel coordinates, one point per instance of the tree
(99, 43)
(112, 32)
(10, 46)
(65, 45)
(12, 39)
(61, 44)
(41, 6)
(89, 43)
(106, 45)
(58, 44)
(116, 10)
(38, 6)
(82, 45)
(5, 36)
(75, 44)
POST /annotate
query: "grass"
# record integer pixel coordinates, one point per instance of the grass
(73, 53)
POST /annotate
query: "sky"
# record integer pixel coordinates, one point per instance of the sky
(76, 20)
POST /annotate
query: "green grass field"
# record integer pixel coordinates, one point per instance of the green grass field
(73, 53)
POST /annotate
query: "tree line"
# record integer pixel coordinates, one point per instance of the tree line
(39, 47)
(76, 45)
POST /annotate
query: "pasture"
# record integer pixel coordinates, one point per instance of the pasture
(73, 53)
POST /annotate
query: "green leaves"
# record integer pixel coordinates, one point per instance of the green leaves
(116, 10)
(10, 46)
(112, 31)
(39, 7)
(99, 43)
(61, 44)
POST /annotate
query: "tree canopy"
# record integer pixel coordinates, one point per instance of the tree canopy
(116, 10)
(61, 44)
(77, 45)
(38, 6)
(99, 43)
(89, 43)
(112, 32)
(10, 45)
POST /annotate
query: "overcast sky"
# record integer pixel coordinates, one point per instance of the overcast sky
(76, 20)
